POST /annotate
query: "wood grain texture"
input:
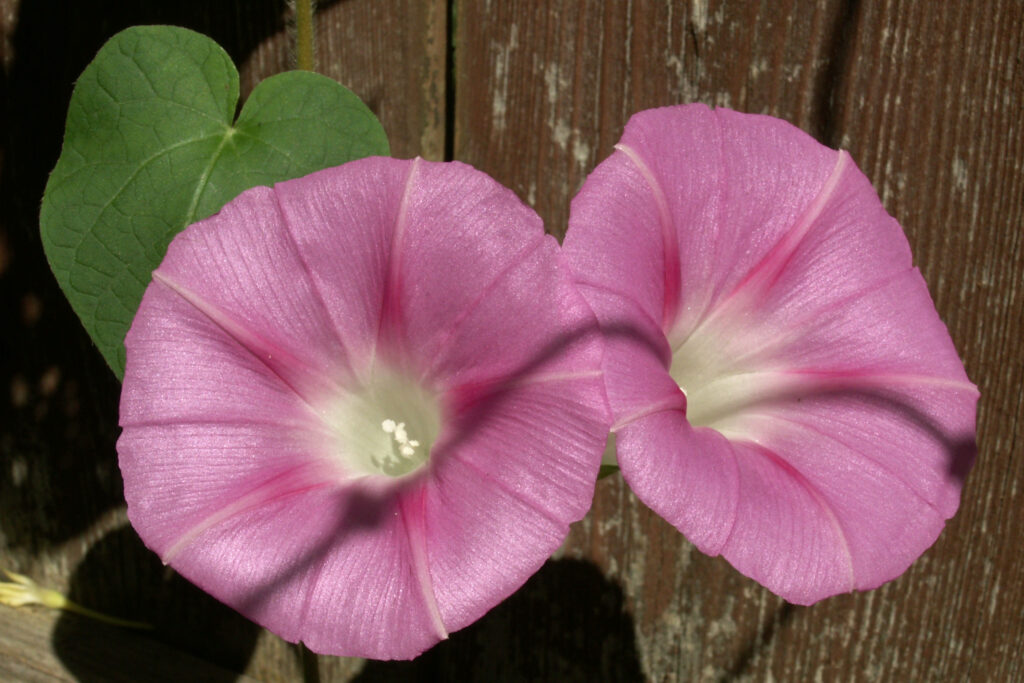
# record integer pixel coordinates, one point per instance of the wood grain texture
(927, 96)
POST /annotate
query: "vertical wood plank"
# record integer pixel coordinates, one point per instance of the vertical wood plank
(392, 54)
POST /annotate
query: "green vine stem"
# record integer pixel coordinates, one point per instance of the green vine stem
(304, 34)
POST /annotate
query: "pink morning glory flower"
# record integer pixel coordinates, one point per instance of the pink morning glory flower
(362, 407)
(783, 391)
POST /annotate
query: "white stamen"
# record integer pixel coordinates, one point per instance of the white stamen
(400, 434)
(386, 427)
(406, 446)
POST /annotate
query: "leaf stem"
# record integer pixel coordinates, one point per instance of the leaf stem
(304, 34)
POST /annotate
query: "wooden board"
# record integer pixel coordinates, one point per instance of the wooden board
(927, 96)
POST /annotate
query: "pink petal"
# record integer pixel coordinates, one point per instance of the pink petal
(457, 221)
(504, 336)
(343, 222)
(186, 368)
(262, 293)
(688, 476)
(828, 421)
(636, 356)
(689, 224)
(259, 329)
(538, 434)
(185, 477)
(479, 554)
(341, 580)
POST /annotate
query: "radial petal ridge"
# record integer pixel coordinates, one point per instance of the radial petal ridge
(263, 291)
(767, 271)
(282, 486)
(445, 334)
(805, 424)
(826, 508)
(670, 245)
(390, 308)
(788, 569)
(342, 221)
(198, 373)
(292, 371)
(413, 519)
(553, 331)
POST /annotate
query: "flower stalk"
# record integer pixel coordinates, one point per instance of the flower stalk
(20, 591)
(304, 35)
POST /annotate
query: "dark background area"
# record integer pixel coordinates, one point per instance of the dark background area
(929, 99)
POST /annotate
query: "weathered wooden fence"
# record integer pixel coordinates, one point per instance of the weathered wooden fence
(928, 97)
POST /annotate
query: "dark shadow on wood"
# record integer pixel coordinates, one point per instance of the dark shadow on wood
(761, 640)
(567, 623)
(192, 632)
(450, 81)
(309, 663)
(828, 86)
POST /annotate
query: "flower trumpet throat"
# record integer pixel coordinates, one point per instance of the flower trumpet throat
(387, 427)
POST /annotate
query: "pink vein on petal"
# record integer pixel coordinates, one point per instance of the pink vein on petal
(795, 326)
(668, 403)
(458, 319)
(270, 490)
(854, 378)
(413, 520)
(765, 273)
(670, 245)
(812, 490)
(314, 287)
(510, 491)
(389, 315)
(278, 361)
(803, 424)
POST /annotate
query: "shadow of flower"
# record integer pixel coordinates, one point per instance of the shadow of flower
(194, 637)
(567, 623)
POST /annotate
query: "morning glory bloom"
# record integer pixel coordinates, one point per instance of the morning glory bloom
(783, 391)
(362, 407)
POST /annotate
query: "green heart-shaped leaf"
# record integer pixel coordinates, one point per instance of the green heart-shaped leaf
(151, 146)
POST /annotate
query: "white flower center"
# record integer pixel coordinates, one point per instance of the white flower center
(716, 368)
(387, 426)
